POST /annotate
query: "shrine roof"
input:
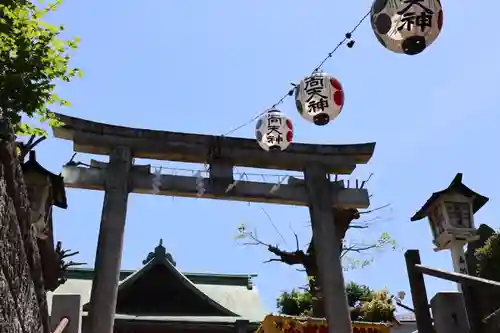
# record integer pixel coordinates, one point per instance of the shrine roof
(87, 273)
(455, 186)
(221, 295)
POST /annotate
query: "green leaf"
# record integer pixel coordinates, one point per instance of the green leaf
(241, 228)
(31, 46)
(488, 258)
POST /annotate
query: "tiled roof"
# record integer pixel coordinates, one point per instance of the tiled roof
(172, 281)
(232, 292)
(238, 299)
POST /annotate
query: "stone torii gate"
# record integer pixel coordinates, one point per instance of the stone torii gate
(120, 177)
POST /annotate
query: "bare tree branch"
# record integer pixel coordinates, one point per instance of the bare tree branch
(365, 222)
(374, 209)
(71, 263)
(39, 140)
(67, 255)
(274, 226)
(255, 240)
(63, 265)
(30, 141)
(359, 226)
(25, 148)
(363, 183)
(307, 258)
(272, 260)
(357, 249)
(297, 246)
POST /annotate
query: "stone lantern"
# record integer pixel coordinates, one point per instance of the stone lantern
(451, 218)
(451, 214)
(45, 190)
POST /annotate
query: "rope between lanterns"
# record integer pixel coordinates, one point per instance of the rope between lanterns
(350, 43)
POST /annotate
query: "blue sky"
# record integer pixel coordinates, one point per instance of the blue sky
(208, 66)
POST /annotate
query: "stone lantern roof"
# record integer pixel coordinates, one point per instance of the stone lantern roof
(458, 187)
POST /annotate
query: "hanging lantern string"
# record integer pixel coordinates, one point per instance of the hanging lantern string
(289, 93)
(347, 38)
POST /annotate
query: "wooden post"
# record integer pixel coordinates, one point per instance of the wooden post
(418, 292)
(327, 246)
(110, 243)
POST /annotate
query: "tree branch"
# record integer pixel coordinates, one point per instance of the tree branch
(272, 223)
(255, 240)
(39, 140)
(357, 249)
(374, 209)
(343, 219)
(297, 246)
(25, 148)
(357, 226)
(366, 181)
(297, 257)
(63, 265)
(272, 260)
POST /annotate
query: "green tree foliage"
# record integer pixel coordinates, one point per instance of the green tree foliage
(295, 303)
(366, 304)
(357, 293)
(488, 257)
(487, 264)
(32, 60)
(380, 308)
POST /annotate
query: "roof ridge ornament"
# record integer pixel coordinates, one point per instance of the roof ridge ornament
(159, 253)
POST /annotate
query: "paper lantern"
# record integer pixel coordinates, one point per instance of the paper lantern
(319, 98)
(406, 26)
(274, 131)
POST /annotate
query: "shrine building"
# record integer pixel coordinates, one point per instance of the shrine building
(158, 298)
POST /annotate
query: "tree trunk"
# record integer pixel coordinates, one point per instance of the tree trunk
(23, 302)
(318, 304)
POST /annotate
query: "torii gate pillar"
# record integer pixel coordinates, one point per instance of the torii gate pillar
(110, 242)
(327, 244)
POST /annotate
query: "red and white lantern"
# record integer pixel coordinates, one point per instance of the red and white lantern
(274, 131)
(406, 26)
(319, 98)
